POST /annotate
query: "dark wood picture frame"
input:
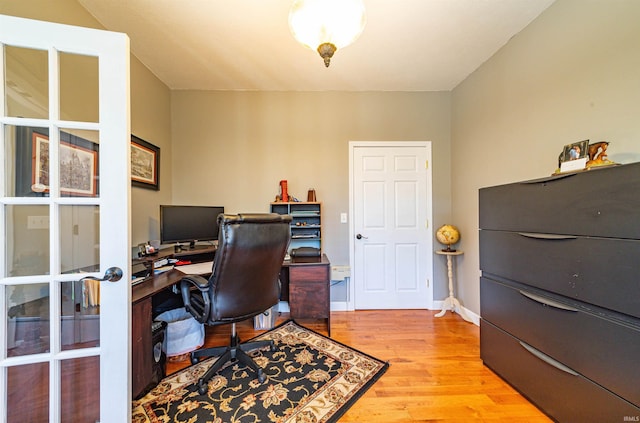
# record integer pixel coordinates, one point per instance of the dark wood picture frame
(80, 176)
(145, 164)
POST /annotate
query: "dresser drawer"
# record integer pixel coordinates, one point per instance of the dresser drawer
(600, 348)
(603, 202)
(600, 271)
(558, 391)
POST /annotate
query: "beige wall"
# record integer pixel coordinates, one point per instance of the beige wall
(572, 74)
(150, 109)
(151, 121)
(233, 148)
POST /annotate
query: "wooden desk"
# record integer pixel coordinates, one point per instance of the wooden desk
(306, 288)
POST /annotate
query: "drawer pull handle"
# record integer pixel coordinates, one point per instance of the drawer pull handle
(547, 302)
(550, 361)
(546, 236)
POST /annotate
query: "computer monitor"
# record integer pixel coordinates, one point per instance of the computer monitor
(188, 224)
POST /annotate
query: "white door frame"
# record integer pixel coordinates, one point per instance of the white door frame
(359, 144)
(113, 126)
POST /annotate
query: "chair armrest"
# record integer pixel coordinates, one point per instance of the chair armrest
(196, 301)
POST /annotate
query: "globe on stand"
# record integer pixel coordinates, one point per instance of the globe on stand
(448, 235)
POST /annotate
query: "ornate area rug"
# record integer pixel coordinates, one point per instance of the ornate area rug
(311, 378)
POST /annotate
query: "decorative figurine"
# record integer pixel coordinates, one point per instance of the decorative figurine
(598, 150)
(598, 155)
(284, 194)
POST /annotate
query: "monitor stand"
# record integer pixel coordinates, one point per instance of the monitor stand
(201, 247)
(183, 247)
(192, 246)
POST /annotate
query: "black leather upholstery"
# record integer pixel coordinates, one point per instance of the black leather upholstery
(243, 283)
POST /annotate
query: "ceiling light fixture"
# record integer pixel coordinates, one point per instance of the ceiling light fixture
(326, 25)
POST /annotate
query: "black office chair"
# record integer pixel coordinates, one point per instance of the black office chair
(243, 284)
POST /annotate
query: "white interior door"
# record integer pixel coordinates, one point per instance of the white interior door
(64, 208)
(391, 242)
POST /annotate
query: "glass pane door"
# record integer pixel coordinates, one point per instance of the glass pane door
(55, 213)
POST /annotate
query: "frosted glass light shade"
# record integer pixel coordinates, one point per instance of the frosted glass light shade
(326, 25)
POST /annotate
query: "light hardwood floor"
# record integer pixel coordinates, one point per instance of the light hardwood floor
(435, 372)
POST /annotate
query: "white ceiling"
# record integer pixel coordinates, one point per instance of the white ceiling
(407, 45)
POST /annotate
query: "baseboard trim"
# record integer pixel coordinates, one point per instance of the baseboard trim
(283, 307)
(437, 305)
(340, 306)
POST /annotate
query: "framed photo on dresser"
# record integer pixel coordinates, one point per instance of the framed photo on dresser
(575, 151)
(574, 156)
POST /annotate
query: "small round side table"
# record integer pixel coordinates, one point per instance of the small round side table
(451, 302)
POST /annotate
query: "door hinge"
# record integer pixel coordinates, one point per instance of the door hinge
(426, 164)
(427, 283)
(426, 224)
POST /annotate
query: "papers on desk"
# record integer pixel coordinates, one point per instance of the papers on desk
(138, 280)
(196, 268)
(90, 293)
(162, 269)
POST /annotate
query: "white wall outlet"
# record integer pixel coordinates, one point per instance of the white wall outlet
(343, 218)
(38, 222)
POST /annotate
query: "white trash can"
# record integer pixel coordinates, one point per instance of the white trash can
(266, 320)
(184, 333)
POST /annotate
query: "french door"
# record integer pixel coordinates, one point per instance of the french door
(64, 213)
(391, 238)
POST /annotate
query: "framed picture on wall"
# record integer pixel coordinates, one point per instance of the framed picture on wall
(145, 164)
(78, 171)
(78, 165)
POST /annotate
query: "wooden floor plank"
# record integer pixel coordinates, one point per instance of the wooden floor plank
(435, 372)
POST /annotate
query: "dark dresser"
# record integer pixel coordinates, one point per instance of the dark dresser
(560, 291)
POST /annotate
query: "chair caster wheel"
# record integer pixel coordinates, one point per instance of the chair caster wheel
(261, 376)
(202, 387)
(194, 359)
(273, 348)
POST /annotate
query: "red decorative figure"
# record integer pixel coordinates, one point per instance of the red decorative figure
(284, 195)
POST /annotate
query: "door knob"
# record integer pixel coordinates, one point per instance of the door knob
(112, 274)
(359, 236)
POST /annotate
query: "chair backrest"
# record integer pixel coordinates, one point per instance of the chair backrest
(245, 276)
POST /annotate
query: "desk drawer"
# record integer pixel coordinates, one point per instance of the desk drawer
(598, 271)
(602, 202)
(309, 292)
(597, 347)
(309, 300)
(563, 394)
(309, 273)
